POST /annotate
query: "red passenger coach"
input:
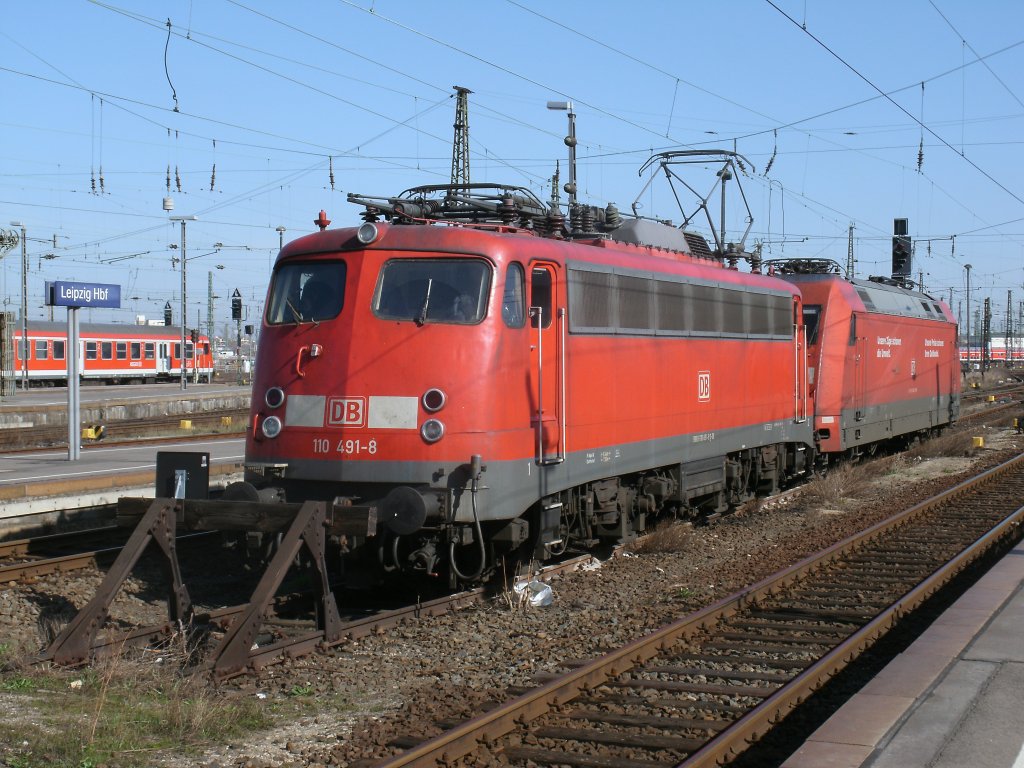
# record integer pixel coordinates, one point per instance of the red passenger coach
(883, 358)
(483, 386)
(111, 353)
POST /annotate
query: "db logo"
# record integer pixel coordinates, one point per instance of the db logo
(703, 385)
(346, 412)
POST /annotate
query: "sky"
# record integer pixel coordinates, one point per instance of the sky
(253, 115)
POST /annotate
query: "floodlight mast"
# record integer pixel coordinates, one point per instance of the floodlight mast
(184, 261)
(570, 142)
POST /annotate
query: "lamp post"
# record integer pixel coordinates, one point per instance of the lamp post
(280, 247)
(570, 142)
(184, 261)
(24, 305)
(969, 363)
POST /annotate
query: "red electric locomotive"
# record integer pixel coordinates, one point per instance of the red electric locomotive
(110, 353)
(883, 358)
(488, 385)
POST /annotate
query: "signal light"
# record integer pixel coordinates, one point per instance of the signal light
(901, 256)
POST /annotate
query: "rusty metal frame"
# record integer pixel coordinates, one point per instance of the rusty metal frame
(306, 533)
(158, 526)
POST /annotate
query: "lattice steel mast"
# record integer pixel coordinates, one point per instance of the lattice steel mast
(460, 146)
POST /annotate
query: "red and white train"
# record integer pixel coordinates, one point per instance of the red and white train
(109, 353)
(494, 385)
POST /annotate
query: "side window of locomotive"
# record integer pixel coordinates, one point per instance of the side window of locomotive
(513, 303)
(307, 293)
(433, 291)
(540, 296)
(812, 316)
(853, 330)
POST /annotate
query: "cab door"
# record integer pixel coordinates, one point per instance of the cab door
(860, 359)
(547, 362)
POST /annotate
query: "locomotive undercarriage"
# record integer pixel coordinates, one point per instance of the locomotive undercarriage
(615, 510)
(600, 513)
(420, 534)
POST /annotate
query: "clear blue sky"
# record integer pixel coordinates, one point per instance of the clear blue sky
(275, 95)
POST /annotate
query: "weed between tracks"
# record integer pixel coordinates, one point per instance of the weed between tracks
(120, 712)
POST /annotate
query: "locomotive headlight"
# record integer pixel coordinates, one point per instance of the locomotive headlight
(271, 426)
(367, 233)
(432, 430)
(434, 400)
(274, 397)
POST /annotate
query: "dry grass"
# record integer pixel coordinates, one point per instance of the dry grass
(120, 712)
(669, 536)
(951, 444)
(841, 482)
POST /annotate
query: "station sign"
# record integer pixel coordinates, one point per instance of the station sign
(61, 293)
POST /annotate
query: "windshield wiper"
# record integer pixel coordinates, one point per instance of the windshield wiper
(426, 303)
(295, 313)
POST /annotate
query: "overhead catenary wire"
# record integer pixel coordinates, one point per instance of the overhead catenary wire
(899, 106)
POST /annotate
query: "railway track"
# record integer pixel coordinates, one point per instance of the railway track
(63, 552)
(698, 692)
(57, 553)
(49, 435)
(285, 638)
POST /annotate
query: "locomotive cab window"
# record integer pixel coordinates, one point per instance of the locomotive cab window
(513, 310)
(540, 295)
(307, 293)
(433, 291)
(812, 317)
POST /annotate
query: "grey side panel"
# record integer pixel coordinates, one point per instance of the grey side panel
(511, 487)
(894, 419)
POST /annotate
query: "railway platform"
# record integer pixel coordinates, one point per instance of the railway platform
(100, 404)
(951, 700)
(42, 489)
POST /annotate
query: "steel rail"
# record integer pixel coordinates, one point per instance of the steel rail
(491, 726)
(61, 563)
(13, 438)
(308, 642)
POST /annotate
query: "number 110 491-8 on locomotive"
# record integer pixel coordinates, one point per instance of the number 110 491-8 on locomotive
(489, 389)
